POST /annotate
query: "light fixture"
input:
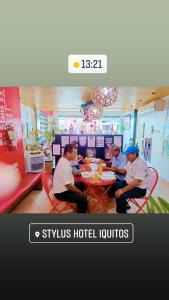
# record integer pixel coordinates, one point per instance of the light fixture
(105, 96)
(93, 112)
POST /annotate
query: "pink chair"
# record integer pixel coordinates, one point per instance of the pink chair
(152, 182)
(57, 205)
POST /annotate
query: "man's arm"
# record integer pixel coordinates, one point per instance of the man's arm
(131, 185)
(115, 169)
(73, 188)
(119, 170)
(128, 187)
(76, 172)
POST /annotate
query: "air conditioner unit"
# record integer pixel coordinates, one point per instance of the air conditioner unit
(34, 161)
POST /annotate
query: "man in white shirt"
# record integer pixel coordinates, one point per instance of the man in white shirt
(63, 181)
(135, 183)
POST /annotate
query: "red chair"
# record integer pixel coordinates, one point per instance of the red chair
(152, 182)
(57, 206)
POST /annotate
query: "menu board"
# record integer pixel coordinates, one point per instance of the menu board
(98, 146)
(56, 149)
(82, 141)
(108, 141)
(118, 140)
(64, 140)
(73, 138)
(91, 141)
(100, 141)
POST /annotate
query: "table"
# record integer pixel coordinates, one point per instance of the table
(96, 189)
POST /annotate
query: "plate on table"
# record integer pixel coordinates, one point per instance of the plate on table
(108, 175)
(86, 174)
(93, 166)
(92, 159)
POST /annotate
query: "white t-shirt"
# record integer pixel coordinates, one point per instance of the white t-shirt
(137, 169)
(62, 175)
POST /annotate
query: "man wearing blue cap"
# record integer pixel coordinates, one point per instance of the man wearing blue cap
(135, 183)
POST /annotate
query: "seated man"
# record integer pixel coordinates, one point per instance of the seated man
(135, 183)
(77, 161)
(63, 181)
(118, 161)
(78, 158)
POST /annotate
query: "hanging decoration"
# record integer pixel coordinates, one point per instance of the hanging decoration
(86, 105)
(95, 111)
(105, 96)
(91, 111)
(85, 109)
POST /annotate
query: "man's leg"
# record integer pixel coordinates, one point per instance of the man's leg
(77, 198)
(80, 186)
(121, 201)
(118, 185)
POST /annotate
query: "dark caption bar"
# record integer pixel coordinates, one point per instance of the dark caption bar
(81, 233)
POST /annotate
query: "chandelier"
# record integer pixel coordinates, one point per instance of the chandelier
(93, 112)
(105, 96)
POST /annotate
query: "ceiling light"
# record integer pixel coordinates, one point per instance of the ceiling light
(105, 96)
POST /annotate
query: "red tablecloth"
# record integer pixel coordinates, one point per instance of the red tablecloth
(98, 189)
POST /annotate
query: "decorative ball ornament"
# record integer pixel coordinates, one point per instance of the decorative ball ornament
(105, 96)
(94, 112)
(86, 117)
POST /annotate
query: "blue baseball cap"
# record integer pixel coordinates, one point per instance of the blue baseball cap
(131, 149)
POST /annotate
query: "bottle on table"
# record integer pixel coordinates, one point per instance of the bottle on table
(96, 177)
(100, 169)
(87, 160)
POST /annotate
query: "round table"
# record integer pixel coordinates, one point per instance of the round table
(98, 189)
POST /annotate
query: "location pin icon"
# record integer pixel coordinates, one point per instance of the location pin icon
(37, 234)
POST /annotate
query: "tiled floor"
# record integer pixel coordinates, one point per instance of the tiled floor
(37, 201)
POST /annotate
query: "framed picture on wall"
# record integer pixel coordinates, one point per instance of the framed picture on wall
(167, 117)
(118, 140)
(166, 141)
(143, 130)
(126, 122)
(64, 140)
(91, 141)
(73, 138)
(82, 141)
(147, 149)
